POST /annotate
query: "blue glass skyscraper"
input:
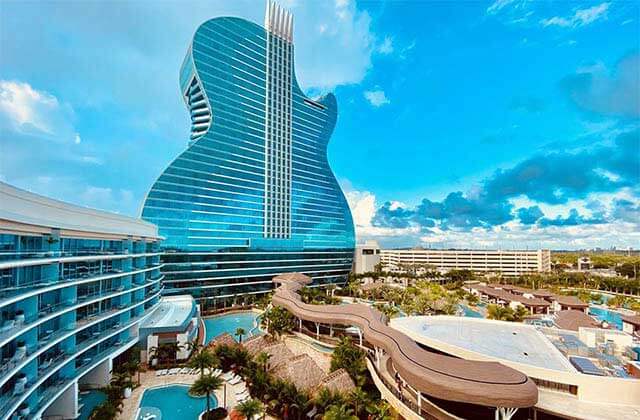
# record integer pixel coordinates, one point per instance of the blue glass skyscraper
(253, 195)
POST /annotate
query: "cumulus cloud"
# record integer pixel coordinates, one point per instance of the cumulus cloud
(29, 110)
(581, 17)
(377, 97)
(339, 53)
(554, 179)
(595, 89)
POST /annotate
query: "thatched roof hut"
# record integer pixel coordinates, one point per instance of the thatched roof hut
(338, 381)
(224, 338)
(256, 344)
(279, 353)
(301, 370)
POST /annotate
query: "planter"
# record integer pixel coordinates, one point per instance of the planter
(21, 344)
(127, 393)
(22, 379)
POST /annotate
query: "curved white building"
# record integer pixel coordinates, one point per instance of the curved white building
(75, 284)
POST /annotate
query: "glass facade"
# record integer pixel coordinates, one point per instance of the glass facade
(70, 299)
(253, 195)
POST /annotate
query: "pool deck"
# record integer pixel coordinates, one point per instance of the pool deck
(150, 380)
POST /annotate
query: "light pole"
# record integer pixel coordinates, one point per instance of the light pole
(224, 398)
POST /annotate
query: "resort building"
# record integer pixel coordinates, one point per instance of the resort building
(503, 262)
(631, 324)
(504, 297)
(75, 285)
(253, 194)
(416, 381)
(366, 258)
(174, 325)
(583, 374)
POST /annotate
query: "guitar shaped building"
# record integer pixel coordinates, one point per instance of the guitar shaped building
(253, 194)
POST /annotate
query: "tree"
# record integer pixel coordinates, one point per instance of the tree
(262, 360)
(350, 358)
(379, 411)
(500, 313)
(206, 385)
(325, 398)
(202, 360)
(339, 412)
(249, 408)
(520, 313)
(239, 333)
(106, 410)
(359, 399)
(278, 321)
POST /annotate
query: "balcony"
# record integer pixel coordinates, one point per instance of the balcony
(11, 400)
(48, 257)
(50, 312)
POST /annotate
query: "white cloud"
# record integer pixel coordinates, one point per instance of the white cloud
(339, 52)
(387, 46)
(376, 97)
(29, 110)
(77, 139)
(498, 5)
(581, 17)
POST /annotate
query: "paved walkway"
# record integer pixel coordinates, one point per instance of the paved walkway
(150, 380)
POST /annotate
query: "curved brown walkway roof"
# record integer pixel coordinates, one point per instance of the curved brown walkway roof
(448, 378)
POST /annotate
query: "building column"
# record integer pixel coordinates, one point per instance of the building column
(360, 336)
(317, 330)
(65, 406)
(300, 324)
(503, 413)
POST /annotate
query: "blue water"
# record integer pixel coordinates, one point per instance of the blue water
(470, 312)
(229, 324)
(90, 401)
(173, 402)
(612, 317)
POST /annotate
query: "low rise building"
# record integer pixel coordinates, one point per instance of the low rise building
(175, 322)
(366, 258)
(503, 262)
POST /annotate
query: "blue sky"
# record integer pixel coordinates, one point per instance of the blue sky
(505, 123)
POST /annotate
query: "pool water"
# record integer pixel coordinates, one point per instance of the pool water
(172, 402)
(612, 317)
(467, 311)
(230, 323)
(88, 401)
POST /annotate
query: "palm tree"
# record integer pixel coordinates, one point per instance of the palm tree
(193, 346)
(339, 412)
(240, 332)
(325, 398)
(262, 359)
(359, 399)
(202, 360)
(206, 385)
(249, 408)
(379, 411)
(106, 410)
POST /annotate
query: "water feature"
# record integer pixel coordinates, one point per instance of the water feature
(230, 323)
(172, 402)
(612, 317)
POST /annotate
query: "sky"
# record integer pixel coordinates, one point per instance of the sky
(478, 124)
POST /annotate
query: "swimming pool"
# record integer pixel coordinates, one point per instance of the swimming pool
(612, 317)
(467, 311)
(172, 402)
(230, 323)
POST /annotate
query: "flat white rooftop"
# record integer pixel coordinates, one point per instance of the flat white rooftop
(502, 340)
(172, 313)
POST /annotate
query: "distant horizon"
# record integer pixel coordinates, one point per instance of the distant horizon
(503, 124)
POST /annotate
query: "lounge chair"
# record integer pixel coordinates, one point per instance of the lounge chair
(174, 371)
(185, 371)
(227, 376)
(235, 381)
(217, 372)
(163, 372)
